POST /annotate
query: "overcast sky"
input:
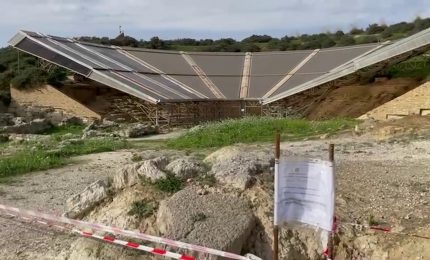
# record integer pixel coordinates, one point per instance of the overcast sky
(172, 19)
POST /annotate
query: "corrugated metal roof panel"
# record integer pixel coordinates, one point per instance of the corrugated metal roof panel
(224, 70)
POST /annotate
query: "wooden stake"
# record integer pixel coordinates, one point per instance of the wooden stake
(275, 226)
(331, 251)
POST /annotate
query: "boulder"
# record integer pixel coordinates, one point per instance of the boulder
(90, 134)
(217, 221)
(139, 130)
(6, 119)
(151, 170)
(37, 126)
(185, 167)
(80, 204)
(18, 120)
(72, 121)
(236, 166)
(4, 138)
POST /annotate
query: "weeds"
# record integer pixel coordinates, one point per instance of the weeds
(207, 179)
(58, 132)
(142, 209)
(136, 158)
(256, 129)
(372, 221)
(39, 157)
(169, 184)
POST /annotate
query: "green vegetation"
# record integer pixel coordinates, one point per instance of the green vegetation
(33, 157)
(255, 129)
(416, 67)
(142, 209)
(372, 221)
(58, 132)
(21, 70)
(373, 33)
(169, 184)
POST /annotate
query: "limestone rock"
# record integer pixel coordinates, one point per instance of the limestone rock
(185, 167)
(4, 138)
(236, 166)
(72, 121)
(218, 221)
(6, 119)
(90, 134)
(82, 203)
(139, 130)
(18, 120)
(130, 174)
(37, 126)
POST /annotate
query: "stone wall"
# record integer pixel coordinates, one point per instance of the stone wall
(414, 102)
(48, 98)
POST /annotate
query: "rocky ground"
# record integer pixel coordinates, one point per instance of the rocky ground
(381, 180)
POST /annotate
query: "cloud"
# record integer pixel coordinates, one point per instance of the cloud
(199, 18)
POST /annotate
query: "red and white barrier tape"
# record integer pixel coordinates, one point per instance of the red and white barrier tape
(118, 231)
(112, 240)
(155, 251)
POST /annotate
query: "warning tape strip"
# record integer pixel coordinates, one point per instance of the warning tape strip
(118, 231)
(155, 251)
(113, 240)
(384, 229)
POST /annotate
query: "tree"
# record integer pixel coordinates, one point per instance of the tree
(375, 28)
(366, 39)
(251, 47)
(339, 34)
(327, 43)
(257, 39)
(356, 31)
(421, 24)
(346, 40)
(156, 43)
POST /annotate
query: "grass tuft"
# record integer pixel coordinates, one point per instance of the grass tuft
(142, 209)
(38, 158)
(256, 129)
(169, 184)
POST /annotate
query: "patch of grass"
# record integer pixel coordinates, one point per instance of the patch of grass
(95, 145)
(142, 209)
(27, 161)
(169, 184)
(372, 221)
(38, 158)
(66, 129)
(256, 129)
(416, 67)
(207, 179)
(136, 158)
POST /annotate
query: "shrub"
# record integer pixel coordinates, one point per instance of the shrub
(169, 184)
(142, 209)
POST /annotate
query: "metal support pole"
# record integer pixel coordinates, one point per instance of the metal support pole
(275, 226)
(156, 115)
(331, 251)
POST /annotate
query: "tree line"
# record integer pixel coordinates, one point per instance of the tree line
(255, 43)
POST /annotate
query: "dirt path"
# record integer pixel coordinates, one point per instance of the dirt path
(48, 191)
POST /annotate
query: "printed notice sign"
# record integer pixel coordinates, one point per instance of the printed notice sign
(304, 193)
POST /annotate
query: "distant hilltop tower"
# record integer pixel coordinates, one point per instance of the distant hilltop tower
(121, 32)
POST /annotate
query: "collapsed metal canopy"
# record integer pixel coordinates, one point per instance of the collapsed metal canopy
(166, 76)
